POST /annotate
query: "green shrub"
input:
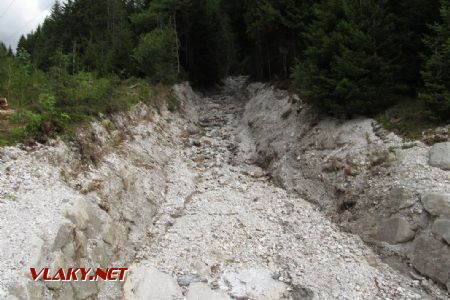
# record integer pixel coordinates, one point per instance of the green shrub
(156, 55)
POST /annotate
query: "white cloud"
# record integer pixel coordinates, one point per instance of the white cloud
(22, 17)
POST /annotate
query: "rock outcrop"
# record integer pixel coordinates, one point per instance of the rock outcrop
(368, 180)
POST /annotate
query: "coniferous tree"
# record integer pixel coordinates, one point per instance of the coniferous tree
(436, 73)
(412, 20)
(349, 65)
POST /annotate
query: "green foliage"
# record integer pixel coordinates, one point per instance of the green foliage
(97, 35)
(344, 56)
(273, 29)
(156, 55)
(436, 73)
(349, 65)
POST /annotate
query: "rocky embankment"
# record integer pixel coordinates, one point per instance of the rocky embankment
(209, 204)
(393, 193)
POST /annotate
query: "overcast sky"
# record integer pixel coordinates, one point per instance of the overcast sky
(19, 17)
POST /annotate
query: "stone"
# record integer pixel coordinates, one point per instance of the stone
(395, 230)
(192, 129)
(187, 279)
(431, 258)
(440, 156)
(196, 143)
(147, 282)
(402, 197)
(441, 228)
(201, 291)
(255, 283)
(64, 236)
(78, 214)
(81, 242)
(350, 170)
(84, 289)
(437, 204)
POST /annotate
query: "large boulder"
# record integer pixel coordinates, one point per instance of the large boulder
(431, 257)
(440, 156)
(441, 228)
(395, 230)
(437, 204)
(146, 282)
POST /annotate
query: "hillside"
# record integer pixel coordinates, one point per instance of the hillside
(225, 149)
(184, 202)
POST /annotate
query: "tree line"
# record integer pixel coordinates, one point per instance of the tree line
(345, 57)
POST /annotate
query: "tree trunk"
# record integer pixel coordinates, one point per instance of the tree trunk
(176, 41)
(74, 51)
(9, 79)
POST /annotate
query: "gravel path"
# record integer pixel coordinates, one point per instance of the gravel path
(238, 233)
(216, 227)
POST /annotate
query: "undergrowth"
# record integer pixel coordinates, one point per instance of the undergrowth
(408, 119)
(63, 106)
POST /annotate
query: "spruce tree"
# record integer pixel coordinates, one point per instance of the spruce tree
(436, 73)
(349, 66)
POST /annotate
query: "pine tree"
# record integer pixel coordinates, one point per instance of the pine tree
(412, 20)
(436, 73)
(349, 65)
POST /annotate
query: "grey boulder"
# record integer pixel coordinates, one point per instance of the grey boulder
(440, 156)
(431, 257)
(395, 230)
(437, 204)
(441, 228)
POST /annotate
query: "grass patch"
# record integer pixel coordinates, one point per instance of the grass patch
(407, 119)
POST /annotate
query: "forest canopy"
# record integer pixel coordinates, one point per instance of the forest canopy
(344, 57)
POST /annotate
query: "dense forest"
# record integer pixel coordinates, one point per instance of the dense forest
(345, 57)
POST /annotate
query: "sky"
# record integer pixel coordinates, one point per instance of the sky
(19, 17)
